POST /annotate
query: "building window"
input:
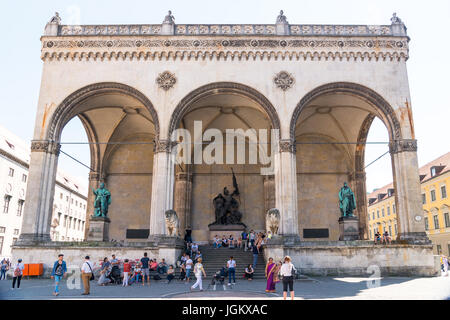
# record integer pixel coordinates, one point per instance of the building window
(19, 207)
(14, 240)
(436, 222)
(60, 195)
(378, 214)
(393, 208)
(395, 228)
(67, 198)
(382, 212)
(6, 204)
(433, 171)
(447, 221)
(426, 223)
(16, 232)
(443, 192)
(373, 215)
(24, 178)
(390, 230)
(388, 211)
(439, 249)
(424, 198)
(1, 244)
(433, 195)
(11, 172)
(2, 229)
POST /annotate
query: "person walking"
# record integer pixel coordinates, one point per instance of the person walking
(58, 272)
(255, 252)
(287, 272)
(86, 275)
(231, 265)
(198, 271)
(126, 271)
(3, 269)
(269, 272)
(145, 268)
(18, 273)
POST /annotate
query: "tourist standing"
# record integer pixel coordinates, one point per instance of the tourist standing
(145, 268)
(3, 269)
(249, 272)
(444, 262)
(255, 252)
(188, 235)
(244, 237)
(86, 275)
(231, 265)
(58, 272)
(286, 272)
(18, 272)
(269, 274)
(252, 237)
(189, 264)
(198, 271)
(126, 271)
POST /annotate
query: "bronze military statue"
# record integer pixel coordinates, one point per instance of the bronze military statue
(102, 201)
(346, 201)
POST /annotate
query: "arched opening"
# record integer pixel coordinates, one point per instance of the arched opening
(330, 126)
(121, 125)
(211, 111)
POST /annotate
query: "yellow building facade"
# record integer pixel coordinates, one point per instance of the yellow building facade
(435, 183)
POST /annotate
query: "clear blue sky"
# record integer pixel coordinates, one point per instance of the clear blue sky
(22, 23)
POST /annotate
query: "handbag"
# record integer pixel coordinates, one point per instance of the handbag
(92, 272)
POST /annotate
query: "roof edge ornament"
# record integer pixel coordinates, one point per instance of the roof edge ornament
(397, 25)
(51, 28)
(168, 24)
(282, 25)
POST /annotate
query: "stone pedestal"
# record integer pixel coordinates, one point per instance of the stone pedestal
(225, 230)
(98, 229)
(349, 228)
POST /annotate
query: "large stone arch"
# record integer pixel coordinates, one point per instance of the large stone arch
(65, 111)
(355, 89)
(224, 88)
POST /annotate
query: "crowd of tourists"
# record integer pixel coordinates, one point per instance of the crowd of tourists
(245, 241)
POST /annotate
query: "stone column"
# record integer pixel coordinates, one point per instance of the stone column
(162, 187)
(269, 192)
(286, 189)
(182, 201)
(410, 220)
(361, 203)
(38, 209)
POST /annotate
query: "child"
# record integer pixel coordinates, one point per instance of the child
(137, 273)
(126, 271)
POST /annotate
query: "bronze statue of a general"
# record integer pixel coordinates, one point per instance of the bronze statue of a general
(346, 201)
(102, 201)
(227, 207)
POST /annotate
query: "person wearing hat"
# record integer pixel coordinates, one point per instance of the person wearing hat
(287, 272)
(18, 272)
(59, 271)
(86, 273)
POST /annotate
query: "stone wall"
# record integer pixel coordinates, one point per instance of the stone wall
(342, 258)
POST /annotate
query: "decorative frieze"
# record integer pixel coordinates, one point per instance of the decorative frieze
(398, 146)
(287, 145)
(45, 146)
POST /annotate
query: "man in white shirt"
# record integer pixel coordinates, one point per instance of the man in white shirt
(189, 264)
(86, 273)
(231, 265)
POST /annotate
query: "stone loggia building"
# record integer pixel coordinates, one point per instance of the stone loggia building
(321, 86)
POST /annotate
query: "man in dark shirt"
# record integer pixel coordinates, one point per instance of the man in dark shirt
(145, 268)
(255, 255)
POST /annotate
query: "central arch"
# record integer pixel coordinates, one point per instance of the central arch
(222, 88)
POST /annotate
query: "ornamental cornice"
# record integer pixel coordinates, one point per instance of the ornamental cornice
(224, 48)
(398, 146)
(45, 146)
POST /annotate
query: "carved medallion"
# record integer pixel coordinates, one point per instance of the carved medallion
(284, 80)
(166, 80)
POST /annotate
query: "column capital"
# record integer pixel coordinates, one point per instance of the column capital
(397, 146)
(45, 146)
(287, 145)
(163, 145)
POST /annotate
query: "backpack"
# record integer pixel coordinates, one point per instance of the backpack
(17, 271)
